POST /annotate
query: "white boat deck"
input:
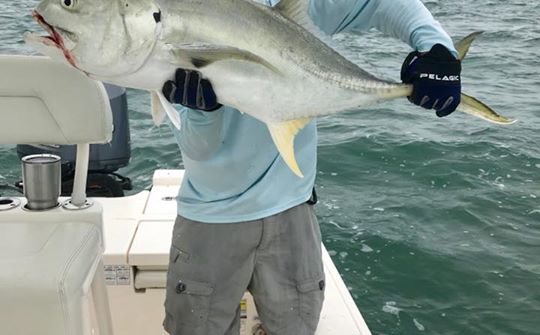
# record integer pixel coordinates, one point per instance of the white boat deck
(138, 232)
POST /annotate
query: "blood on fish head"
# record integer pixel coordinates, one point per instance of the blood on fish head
(99, 37)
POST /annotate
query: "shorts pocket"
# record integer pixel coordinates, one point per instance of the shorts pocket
(177, 255)
(187, 305)
(311, 297)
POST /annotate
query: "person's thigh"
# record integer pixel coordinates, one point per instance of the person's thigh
(288, 281)
(210, 267)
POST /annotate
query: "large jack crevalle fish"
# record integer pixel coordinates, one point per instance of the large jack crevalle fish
(271, 63)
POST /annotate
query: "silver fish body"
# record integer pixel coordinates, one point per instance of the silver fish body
(266, 66)
(270, 63)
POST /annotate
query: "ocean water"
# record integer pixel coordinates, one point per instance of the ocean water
(433, 223)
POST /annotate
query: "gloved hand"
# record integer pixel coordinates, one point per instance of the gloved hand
(436, 79)
(191, 90)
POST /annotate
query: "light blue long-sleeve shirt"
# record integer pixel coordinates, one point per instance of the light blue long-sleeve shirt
(233, 170)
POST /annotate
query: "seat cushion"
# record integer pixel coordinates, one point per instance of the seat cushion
(47, 102)
(45, 274)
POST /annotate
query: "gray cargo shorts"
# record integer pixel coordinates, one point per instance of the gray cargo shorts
(278, 259)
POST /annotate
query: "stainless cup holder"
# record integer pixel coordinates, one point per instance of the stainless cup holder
(7, 204)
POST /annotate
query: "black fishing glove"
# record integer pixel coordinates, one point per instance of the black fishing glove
(436, 79)
(191, 90)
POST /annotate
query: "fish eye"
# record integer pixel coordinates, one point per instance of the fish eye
(69, 4)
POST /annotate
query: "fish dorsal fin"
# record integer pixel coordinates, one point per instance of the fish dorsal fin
(161, 107)
(283, 134)
(297, 11)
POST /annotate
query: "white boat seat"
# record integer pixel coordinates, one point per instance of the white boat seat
(51, 274)
(46, 270)
(46, 102)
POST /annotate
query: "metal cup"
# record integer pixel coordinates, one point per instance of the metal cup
(41, 181)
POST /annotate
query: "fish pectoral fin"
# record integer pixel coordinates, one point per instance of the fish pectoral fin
(199, 55)
(161, 107)
(283, 134)
(477, 108)
(463, 46)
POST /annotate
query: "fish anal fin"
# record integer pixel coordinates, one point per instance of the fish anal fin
(283, 134)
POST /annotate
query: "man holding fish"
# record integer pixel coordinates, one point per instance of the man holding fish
(252, 78)
(245, 220)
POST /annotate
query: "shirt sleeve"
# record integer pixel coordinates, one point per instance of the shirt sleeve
(200, 134)
(408, 20)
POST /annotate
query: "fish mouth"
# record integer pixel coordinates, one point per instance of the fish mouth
(54, 39)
